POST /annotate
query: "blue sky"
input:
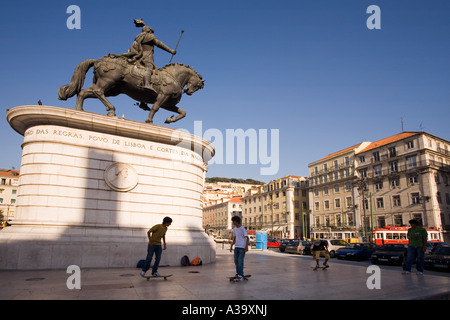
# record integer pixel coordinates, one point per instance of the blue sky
(311, 69)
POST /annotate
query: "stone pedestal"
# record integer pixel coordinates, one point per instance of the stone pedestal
(91, 186)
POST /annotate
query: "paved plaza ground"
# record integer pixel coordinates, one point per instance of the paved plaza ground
(275, 276)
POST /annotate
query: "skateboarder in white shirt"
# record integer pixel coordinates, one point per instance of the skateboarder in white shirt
(240, 241)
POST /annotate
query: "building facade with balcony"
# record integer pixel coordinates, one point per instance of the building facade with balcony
(333, 211)
(404, 177)
(279, 207)
(383, 183)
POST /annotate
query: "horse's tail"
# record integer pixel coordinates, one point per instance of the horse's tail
(75, 85)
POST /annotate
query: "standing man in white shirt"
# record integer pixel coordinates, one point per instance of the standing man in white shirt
(240, 241)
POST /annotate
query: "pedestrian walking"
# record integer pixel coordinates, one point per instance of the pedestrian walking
(155, 235)
(417, 246)
(240, 241)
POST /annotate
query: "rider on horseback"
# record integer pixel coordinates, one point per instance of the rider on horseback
(117, 74)
(141, 51)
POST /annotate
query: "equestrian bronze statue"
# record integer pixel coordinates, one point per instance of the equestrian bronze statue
(135, 74)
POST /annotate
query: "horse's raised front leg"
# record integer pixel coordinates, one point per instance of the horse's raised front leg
(181, 114)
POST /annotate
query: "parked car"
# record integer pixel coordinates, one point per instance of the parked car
(306, 247)
(357, 251)
(433, 245)
(334, 245)
(391, 253)
(221, 239)
(431, 248)
(283, 244)
(273, 243)
(439, 259)
(299, 247)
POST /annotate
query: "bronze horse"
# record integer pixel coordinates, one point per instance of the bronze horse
(113, 75)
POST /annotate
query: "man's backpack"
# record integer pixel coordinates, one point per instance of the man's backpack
(196, 262)
(140, 264)
(185, 261)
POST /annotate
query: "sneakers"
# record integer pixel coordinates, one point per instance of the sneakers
(408, 272)
(156, 274)
(239, 277)
(326, 265)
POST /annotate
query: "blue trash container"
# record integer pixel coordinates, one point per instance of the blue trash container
(261, 240)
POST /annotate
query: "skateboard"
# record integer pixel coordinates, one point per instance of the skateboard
(234, 279)
(152, 277)
(323, 268)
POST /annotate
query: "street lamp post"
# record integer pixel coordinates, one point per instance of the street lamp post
(270, 203)
(362, 186)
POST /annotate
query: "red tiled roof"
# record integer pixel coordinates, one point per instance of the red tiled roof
(9, 173)
(389, 140)
(292, 176)
(236, 199)
(342, 151)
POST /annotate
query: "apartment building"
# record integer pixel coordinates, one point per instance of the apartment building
(217, 217)
(382, 183)
(333, 210)
(9, 186)
(404, 177)
(279, 207)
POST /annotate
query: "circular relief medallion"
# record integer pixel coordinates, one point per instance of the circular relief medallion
(121, 177)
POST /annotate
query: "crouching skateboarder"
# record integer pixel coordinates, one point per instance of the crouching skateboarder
(320, 247)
